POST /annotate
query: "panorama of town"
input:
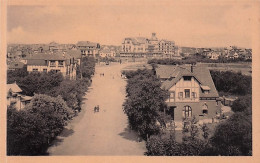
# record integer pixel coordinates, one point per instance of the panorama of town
(147, 96)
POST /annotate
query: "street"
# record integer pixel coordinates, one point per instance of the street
(105, 132)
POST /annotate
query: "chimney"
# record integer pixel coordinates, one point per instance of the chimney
(192, 67)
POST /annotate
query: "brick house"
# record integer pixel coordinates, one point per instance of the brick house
(191, 92)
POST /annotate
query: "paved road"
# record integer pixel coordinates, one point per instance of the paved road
(103, 133)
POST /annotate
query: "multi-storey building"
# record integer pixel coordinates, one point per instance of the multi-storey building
(144, 47)
(191, 92)
(134, 46)
(59, 62)
(167, 48)
(107, 52)
(89, 48)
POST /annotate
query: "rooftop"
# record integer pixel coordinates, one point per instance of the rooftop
(200, 73)
(13, 88)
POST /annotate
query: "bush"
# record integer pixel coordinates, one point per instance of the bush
(167, 146)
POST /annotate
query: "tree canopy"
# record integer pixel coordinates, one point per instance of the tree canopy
(145, 99)
(30, 131)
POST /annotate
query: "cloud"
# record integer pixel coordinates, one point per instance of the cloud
(186, 24)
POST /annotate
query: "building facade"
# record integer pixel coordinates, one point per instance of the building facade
(147, 47)
(89, 48)
(59, 62)
(191, 93)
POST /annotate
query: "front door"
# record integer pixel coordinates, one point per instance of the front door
(171, 110)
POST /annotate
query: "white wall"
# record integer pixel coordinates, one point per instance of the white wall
(181, 85)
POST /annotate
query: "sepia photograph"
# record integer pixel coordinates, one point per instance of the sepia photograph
(129, 78)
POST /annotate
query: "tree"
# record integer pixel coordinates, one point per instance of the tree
(16, 75)
(30, 131)
(234, 136)
(25, 133)
(72, 92)
(230, 82)
(242, 104)
(87, 67)
(145, 99)
(42, 83)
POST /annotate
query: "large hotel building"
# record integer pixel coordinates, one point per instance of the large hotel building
(148, 48)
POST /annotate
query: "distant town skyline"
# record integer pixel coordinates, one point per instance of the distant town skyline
(188, 24)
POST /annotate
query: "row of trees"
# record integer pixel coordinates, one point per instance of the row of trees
(231, 82)
(55, 101)
(196, 58)
(31, 130)
(145, 102)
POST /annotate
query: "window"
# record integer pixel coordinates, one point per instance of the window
(206, 91)
(205, 109)
(193, 94)
(187, 93)
(35, 69)
(60, 63)
(172, 96)
(187, 112)
(187, 78)
(180, 94)
(45, 70)
(52, 63)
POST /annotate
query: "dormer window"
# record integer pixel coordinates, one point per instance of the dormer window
(205, 89)
(187, 78)
(60, 63)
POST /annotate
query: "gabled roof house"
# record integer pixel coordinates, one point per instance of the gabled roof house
(191, 91)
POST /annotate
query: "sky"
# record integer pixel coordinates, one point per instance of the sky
(188, 24)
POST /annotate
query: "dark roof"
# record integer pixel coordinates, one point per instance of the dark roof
(203, 74)
(13, 87)
(165, 71)
(200, 73)
(74, 53)
(15, 65)
(41, 58)
(87, 43)
(39, 62)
